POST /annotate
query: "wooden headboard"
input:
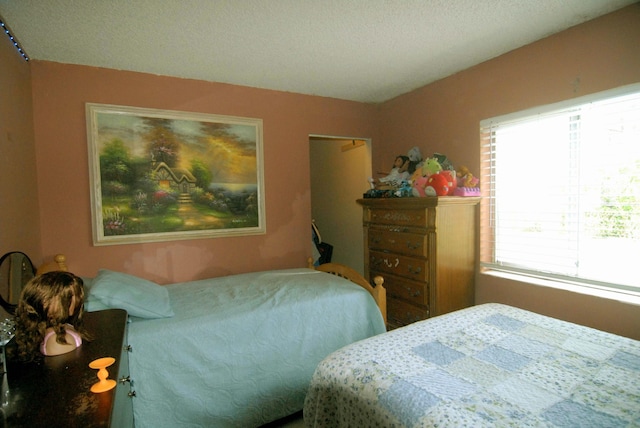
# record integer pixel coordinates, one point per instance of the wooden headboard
(59, 263)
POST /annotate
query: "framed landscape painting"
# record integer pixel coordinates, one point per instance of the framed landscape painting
(159, 175)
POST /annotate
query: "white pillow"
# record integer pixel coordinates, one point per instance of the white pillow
(139, 297)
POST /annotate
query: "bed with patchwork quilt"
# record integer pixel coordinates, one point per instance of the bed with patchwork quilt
(485, 366)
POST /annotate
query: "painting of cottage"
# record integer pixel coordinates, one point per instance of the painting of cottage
(164, 175)
(177, 179)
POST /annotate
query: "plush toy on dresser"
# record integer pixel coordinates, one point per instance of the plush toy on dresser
(430, 179)
(467, 183)
(421, 176)
(437, 185)
(434, 176)
(419, 183)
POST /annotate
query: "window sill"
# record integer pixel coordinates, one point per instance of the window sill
(619, 296)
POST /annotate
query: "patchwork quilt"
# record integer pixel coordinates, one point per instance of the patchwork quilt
(486, 366)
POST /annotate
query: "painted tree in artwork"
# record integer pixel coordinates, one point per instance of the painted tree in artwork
(201, 172)
(114, 161)
(115, 168)
(164, 145)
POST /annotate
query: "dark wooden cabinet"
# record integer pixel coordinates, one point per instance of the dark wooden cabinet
(55, 391)
(425, 248)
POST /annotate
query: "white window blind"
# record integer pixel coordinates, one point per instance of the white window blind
(562, 191)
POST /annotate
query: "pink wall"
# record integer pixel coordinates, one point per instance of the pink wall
(19, 213)
(444, 117)
(60, 93)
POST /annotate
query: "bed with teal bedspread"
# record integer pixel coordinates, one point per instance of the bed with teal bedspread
(236, 351)
(485, 366)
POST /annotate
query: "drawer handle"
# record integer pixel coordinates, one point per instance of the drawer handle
(415, 270)
(131, 394)
(390, 264)
(413, 246)
(415, 293)
(125, 379)
(411, 317)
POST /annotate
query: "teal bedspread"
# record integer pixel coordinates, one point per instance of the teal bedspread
(241, 350)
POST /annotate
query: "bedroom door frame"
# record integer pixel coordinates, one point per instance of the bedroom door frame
(339, 169)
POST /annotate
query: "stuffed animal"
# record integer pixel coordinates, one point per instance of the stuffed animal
(451, 180)
(405, 190)
(444, 162)
(418, 186)
(415, 158)
(437, 185)
(417, 173)
(429, 179)
(430, 167)
(465, 178)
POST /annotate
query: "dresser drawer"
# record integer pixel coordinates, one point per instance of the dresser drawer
(399, 265)
(401, 313)
(411, 218)
(392, 240)
(413, 291)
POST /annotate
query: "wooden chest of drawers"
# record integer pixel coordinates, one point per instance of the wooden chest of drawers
(425, 248)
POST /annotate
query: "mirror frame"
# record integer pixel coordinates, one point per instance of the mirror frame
(10, 307)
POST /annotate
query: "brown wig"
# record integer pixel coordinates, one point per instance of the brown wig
(44, 303)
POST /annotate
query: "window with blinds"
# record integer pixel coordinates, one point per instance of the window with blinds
(561, 187)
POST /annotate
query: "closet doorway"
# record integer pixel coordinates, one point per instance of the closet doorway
(340, 167)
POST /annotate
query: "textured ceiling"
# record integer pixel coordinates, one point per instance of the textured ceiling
(362, 50)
